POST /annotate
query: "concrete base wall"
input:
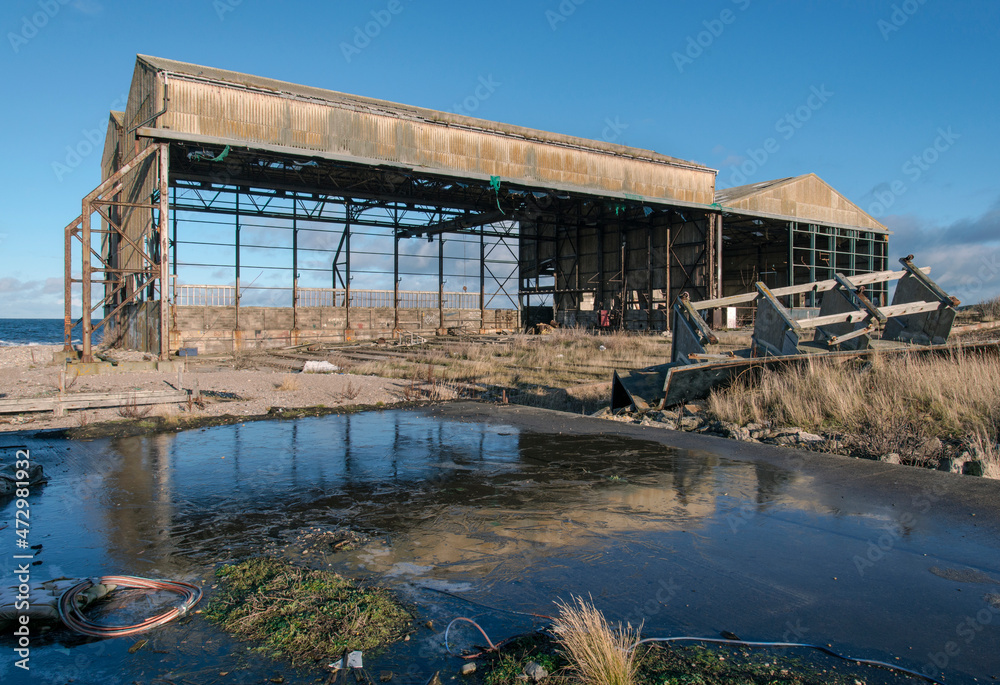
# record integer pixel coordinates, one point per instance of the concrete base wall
(213, 329)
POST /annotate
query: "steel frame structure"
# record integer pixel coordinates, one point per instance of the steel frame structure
(403, 221)
(123, 286)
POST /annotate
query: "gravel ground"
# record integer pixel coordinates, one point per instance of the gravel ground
(28, 372)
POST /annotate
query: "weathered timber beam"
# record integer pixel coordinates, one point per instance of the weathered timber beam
(818, 286)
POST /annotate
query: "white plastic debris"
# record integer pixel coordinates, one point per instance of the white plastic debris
(353, 661)
(320, 367)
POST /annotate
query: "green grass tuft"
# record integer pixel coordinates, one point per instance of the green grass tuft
(304, 615)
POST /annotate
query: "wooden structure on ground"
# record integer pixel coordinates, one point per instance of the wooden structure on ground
(849, 324)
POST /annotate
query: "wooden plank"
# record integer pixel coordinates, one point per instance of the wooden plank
(889, 312)
(818, 286)
(778, 307)
(858, 299)
(91, 401)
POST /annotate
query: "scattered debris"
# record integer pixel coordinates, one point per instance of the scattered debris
(354, 660)
(320, 367)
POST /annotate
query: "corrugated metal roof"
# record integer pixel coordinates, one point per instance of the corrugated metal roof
(385, 107)
(726, 195)
(807, 199)
(192, 103)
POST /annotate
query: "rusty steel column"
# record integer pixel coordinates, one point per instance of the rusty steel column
(164, 265)
(85, 274)
(236, 292)
(482, 279)
(649, 274)
(395, 284)
(295, 268)
(441, 330)
(718, 257)
(68, 287)
(347, 275)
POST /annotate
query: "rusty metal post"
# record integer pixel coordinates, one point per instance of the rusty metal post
(441, 330)
(164, 265)
(395, 283)
(482, 279)
(68, 287)
(718, 256)
(85, 275)
(347, 274)
(649, 274)
(295, 266)
(236, 294)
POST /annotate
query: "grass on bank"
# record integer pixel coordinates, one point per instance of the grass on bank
(587, 650)
(883, 404)
(304, 615)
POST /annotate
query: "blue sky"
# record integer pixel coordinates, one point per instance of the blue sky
(894, 103)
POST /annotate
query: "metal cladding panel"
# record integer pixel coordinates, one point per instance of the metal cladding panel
(807, 199)
(223, 110)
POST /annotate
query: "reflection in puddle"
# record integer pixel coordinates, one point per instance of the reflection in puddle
(682, 542)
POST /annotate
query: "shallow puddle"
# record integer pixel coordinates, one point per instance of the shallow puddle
(483, 519)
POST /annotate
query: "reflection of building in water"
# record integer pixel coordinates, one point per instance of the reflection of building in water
(140, 504)
(173, 493)
(462, 493)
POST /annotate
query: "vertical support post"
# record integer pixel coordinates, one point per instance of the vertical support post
(173, 252)
(710, 256)
(238, 293)
(347, 273)
(557, 270)
(395, 283)
(599, 297)
(482, 279)
(791, 262)
(85, 285)
(718, 256)
(441, 330)
(295, 268)
(812, 264)
(68, 288)
(164, 229)
(649, 275)
(666, 275)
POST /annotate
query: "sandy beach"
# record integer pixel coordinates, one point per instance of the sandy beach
(28, 372)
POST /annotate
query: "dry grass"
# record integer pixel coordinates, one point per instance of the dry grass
(288, 384)
(133, 410)
(989, 310)
(598, 655)
(528, 369)
(892, 404)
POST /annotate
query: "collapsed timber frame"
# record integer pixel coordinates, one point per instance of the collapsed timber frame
(848, 324)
